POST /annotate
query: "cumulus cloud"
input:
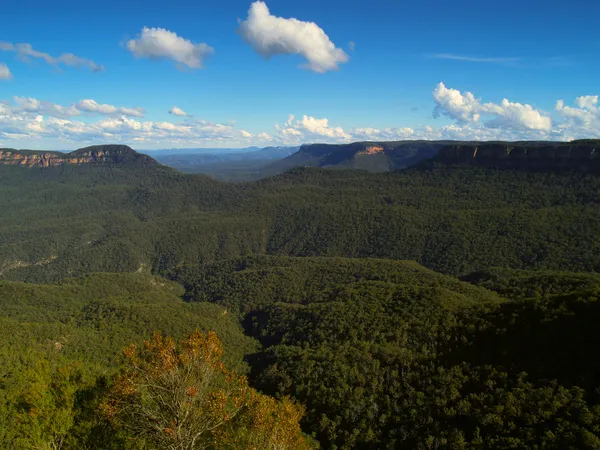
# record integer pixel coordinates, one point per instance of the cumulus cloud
(32, 121)
(588, 102)
(35, 106)
(270, 35)
(30, 105)
(476, 121)
(26, 52)
(465, 108)
(585, 113)
(91, 106)
(158, 43)
(320, 127)
(5, 72)
(580, 121)
(265, 137)
(178, 112)
(452, 103)
(312, 130)
(28, 119)
(516, 115)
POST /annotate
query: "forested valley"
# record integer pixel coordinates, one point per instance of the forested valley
(445, 305)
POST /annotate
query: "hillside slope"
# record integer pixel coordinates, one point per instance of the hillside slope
(371, 156)
(576, 155)
(390, 354)
(77, 219)
(93, 318)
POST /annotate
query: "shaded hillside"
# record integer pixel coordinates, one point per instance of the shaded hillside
(389, 156)
(383, 354)
(371, 156)
(390, 354)
(577, 155)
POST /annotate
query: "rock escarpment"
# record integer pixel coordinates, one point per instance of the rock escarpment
(580, 155)
(371, 156)
(97, 154)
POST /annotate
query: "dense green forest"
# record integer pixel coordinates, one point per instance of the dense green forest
(390, 353)
(441, 306)
(59, 223)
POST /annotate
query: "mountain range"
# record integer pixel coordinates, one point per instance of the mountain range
(406, 295)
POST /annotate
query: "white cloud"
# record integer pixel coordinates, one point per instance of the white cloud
(452, 103)
(31, 122)
(581, 121)
(385, 134)
(26, 51)
(270, 35)
(5, 72)
(587, 101)
(313, 130)
(352, 46)
(32, 105)
(91, 106)
(321, 127)
(158, 43)
(264, 137)
(178, 112)
(516, 115)
(35, 106)
(465, 108)
(28, 120)
(515, 62)
(476, 59)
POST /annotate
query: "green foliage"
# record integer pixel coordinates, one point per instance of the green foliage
(180, 396)
(388, 353)
(57, 224)
(384, 353)
(58, 342)
(92, 318)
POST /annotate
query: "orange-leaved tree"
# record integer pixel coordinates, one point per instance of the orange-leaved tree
(181, 396)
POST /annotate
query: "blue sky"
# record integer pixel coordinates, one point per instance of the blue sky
(374, 71)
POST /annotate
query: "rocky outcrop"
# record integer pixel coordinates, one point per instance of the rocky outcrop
(97, 154)
(371, 150)
(581, 155)
(30, 159)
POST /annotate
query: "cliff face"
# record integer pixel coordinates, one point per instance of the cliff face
(371, 150)
(97, 154)
(582, 155)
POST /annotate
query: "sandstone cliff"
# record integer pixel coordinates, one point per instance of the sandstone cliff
(97, 154)
(580, 155)
(371, 156)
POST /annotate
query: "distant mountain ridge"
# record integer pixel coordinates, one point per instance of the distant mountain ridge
(189, 160)
(581, 154)
(224, 164)
(370, 155)
(398, 155)
(96, 154)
